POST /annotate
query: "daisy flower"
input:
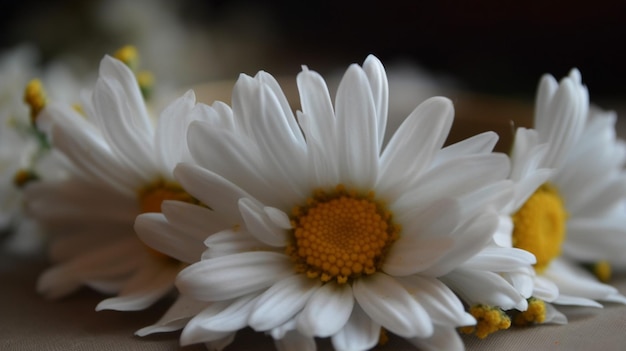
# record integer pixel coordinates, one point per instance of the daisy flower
(24, 152)
(569, 198)
(316, 232)
(121, 165)
(16, 68)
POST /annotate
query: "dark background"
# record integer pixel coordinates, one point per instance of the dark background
(491, 46)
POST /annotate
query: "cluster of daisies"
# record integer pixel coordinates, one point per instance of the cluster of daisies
(307, 224)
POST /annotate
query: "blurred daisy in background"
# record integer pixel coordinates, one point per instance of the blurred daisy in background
(574, 164)
(24, 151)
(121, 160)
(319, 232)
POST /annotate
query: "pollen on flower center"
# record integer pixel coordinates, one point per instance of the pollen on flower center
(340, 235)
(539, 226)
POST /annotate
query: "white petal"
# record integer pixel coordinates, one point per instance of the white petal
(356, 126)
(434, 220)
(442, 305)
(411, 256)
(123, 118)
(526, 154)
(72, 200)
(377, 77)
(232, 318)
(388, 303)
(470, 238)
(215, 191)
(229, 242)
(98, 163)
(414, 144)
(282, 301)
(576, 282)
(545, 289)
(156, 232)
(176, 316)
(503, 236)
(233, 276)
(141, 299)
(482, 143)
(272, 127)
(554, 316)
(500, 259)
(483, 287)
(195, 332)
(318, 123)
(278, 217)
(195, 221)
(545, 92)
(359, 333)
(425, 239)
(456, 178)
(525, 188)
(260, 225)
(114, 259)
(327, 311)
(245, 166)
(566, 113)
(270, 82)
(565, 299)
(498, 196)
(171, 132)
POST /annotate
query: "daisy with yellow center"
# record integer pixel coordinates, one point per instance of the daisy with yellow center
(24, 152)
(121, 164)
(324, 232)
(554, 167)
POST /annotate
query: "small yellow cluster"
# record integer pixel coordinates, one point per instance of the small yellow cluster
(489, 320)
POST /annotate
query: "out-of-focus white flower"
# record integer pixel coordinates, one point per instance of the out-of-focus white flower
(315, 231)
(17, 67)
(574, 163)
(24, 152)
(121, 165)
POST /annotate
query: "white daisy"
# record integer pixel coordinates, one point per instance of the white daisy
(24, 152)
(121, 166)
(17, 67)
(575, 167)
(322, 234)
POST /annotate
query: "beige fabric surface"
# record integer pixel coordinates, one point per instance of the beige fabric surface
(29, 322)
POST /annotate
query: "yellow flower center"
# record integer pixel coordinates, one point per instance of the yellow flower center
(151, 198)
(489, 320)
(340, 235)
(539, 226)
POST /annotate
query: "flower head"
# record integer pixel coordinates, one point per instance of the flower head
(315, 230)
(24, 152)
(121, 161)
(572, 188)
